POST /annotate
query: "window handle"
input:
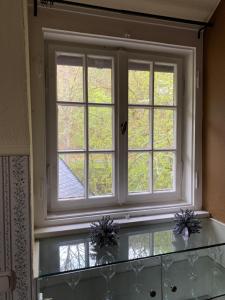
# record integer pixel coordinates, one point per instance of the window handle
(123, 127)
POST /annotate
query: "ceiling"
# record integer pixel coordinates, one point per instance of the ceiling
(200, 10)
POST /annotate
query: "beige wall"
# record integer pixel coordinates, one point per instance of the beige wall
(14, 129)
(214, 116)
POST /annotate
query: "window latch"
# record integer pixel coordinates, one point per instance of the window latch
(123, 127)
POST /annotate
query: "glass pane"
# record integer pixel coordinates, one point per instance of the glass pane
(100, 174)
(72, 257)
(70, 127)
(164, 129)
(164, 79)
(99, 80)
(70, 78)
(100, 128)
(139, 128)
(197, 274)
(139, 166)
(163, 242)
(164, 171)
(139, 245)
(71, 176)
(139, 83)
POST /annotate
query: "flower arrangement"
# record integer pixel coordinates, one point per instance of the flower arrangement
(104, 233)
(186, 223)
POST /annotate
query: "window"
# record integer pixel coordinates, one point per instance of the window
(115, 129)
(152, 111)
(85, 126)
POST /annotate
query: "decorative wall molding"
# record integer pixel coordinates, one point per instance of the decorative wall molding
(15, 224)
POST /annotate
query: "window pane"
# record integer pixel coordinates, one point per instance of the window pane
(69, 78)
(139, 166)
(139, 128)
(70, 127)
(100, 128)
(100, 174)
(71, 176)
(164, 171)
(164, 85)
(99, 80)
(139, 83)
(164, 129)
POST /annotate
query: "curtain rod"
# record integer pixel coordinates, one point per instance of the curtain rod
(203, 25)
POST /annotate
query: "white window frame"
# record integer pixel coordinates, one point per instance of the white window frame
(53, 204)
(121, 197)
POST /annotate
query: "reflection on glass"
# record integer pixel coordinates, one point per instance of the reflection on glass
(217, 272)
(137, 266)
(139, 82)
(163, 242)
(70, 127)
(164, 129)
(139, 245)
(99, 80)
(167, 262)
(74, 280)
(69, 78)
(163, 171)
(100, 174)
(108, 273)
(100, 128)
(72, 257)
(139, 128)
(192, 259)
(71, 182)
(164, 85)
(139, 166)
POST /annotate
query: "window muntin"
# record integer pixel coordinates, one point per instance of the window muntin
(116, 152)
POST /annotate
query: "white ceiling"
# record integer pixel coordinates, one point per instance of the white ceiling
(200, 10)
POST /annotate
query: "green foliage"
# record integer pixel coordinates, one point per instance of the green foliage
(164, 88)
(139, 87)
(100, 174)
(70, 83)
(139, 135)
(139, 172)
(143, 167)
(99, 85)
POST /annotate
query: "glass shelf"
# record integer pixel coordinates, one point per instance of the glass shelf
(75, 252)
(150, 262)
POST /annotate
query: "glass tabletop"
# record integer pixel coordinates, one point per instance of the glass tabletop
(75, 252)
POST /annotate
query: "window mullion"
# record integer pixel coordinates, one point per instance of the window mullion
(152, 123)
(86, 127)
(122, 84)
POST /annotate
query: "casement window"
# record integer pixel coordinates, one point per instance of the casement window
(114, 128)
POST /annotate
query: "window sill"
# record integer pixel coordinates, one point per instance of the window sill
(124, 222)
